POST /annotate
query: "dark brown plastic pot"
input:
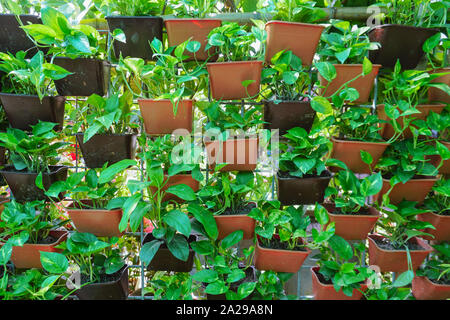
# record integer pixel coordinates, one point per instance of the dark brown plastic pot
(12, 37)
(287, 115)
(102, 148)
(225, 79)
(2, 156)
(415, 189)
(23, 111)
(159, 118)
(302, 190)
(396, 260)
(23, 183)
(424, 289)
(300, 38)
(240, 154)
(435, 94)
(165, 261)
(113, 290)
(347, 72)
(180, 30)
(440, 222)
(89, 76)
(349, 152)
(352, 226)
(398, 42)
(139, 33)
(186, 179)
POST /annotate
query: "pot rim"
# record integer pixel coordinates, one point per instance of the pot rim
(59, 168)
(307, 251)
(32, 96)
(212, 64)
(335, 139)
(20, 15)
(108, 134)
(373, 213)
(426, 247)
(231, 139)
(61, 238)
(401, 26)
(354, 65)
(71, 208)
(432, 283)
(125, 268)
(440, 216)
(192, 20)
(134, 17)
(311, 25)
(428, 105)
(164, 100)
(272, 102)
(431, 178)
(83, 59)
(315, 178)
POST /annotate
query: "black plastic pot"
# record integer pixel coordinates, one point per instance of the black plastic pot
(398, 42)
(111, 148)
(23, 183)
(139, 33)
(165, 261)
(23, 111)
(302, 190)
(287, 115)
(89, 76)
(12, 37)
(113, 290)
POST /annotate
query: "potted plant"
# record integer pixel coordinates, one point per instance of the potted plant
(76, 48)
(399, 247)
(302, 176)
(138, 21)
(110, 127)
(237, 72)
(286, 102)
(344, 64)
(348, 209)
(28, 90)
(31, 228)
(33, 160)
(292, 29)
(385, 289)
(440, 123)
(432, 280)
(280, 232)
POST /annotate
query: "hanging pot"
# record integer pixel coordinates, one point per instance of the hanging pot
(279, 260)
(12, 37)
(159, 118)
(241, 154)
(323, 291)
(347, 72)
(23, 183)
(349, 152)
(186, 179)
(89, 76)
(425, 289)
(111, 290)
(300, 38)
(396, 260)
(293, 190)
(398, 42)
(287, 115)
(29, 255)
(99, 222)
(387, 130)
(2, 156)
(440, 222)
(435, 94)
(415, 189)
(435, 160)
(228, 223)
(180, 30)
(139, 33)
(102, 148)
(225, 79)
(165, 261)
(23, 111)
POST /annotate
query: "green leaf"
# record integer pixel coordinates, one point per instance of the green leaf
(367, 66)
(109, 173)
(217, 287)
(321, 214)
(341, 247)
(326, 70)
(206, 276)
(366, 157)
(54, 262)
(182, 191)
(232, 239)
(245, 289)
(179, 221)
(321, 105)
(38, 181)
(206, 218)
(404, 279)
(149, 250)
(179, 247)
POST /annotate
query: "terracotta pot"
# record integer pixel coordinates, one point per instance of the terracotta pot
(396, 260)
(435, 160)
(12, 37)
(287, 115)
(347, 72)
(225, 79)
(440, 222)
(28, 256)
(111, 148)
(412, 190)
(180, 30)
(99, 222)
(387, 130)
(424, 289)
(349, 152)
(159, 118)
(398, 42)
(301, 38)
(437, 95)
(241, 154)
(350, 226)
(174, 180)
(23, 111)
(112, 290)
(165, 261)
(23, 183)
(293, 191)
(139, 32)
(89, 76)
(279, 260)
(327, 292)
(229, 223)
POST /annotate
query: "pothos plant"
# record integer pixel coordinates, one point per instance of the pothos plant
(435, 48)
(437, 268)
(297, 11)
(130, 9)
(438, 201)
(193, 8)
(178, 286)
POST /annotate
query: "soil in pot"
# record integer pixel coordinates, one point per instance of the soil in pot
(287, 115)
(12, 37)
(232, 220)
